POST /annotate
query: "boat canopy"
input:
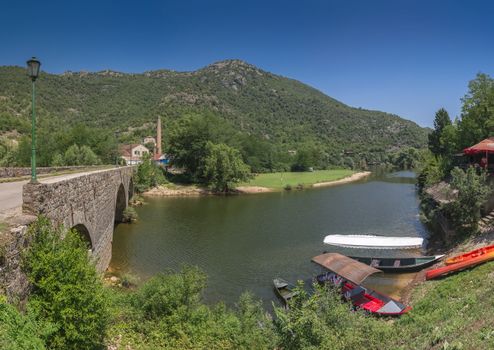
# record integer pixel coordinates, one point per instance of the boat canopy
(351, 270)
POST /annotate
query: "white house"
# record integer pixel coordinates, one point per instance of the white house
(132, 154)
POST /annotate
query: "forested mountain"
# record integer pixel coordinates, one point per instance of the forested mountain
(273, 108)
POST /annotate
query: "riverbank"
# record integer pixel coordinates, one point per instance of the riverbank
(455, 311)
(280, 181)
(265, 183)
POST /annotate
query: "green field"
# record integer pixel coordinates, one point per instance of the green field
(280, 180)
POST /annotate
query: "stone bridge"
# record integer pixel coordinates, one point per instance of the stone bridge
(91, 203)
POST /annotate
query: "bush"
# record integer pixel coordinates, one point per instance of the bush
(129, 215)
(148, 175)
(323, 321)
(66, 289)
(472, 193)
(18, 331)
(167, 313)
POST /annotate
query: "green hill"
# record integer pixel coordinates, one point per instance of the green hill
(279, 110)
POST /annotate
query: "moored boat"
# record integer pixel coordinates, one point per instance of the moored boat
(409, 264)
(471, 262)
(376, 242)
(284, 289)
(347, 274)
(471, 254)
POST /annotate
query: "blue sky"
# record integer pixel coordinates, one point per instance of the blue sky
(400, 56)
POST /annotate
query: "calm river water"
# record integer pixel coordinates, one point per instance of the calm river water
(243, 242)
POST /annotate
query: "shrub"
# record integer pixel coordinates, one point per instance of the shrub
(472, 192)
(148, 174)
(322, 321)
(66, 289)
(129, 215)
(18, 331)
(167, 313)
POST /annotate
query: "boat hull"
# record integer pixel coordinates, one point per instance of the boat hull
(472, 254)
(448, 269)
(284, 290)
(400, 265)
(364, 298)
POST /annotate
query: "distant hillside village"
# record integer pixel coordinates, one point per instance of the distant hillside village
(134, 153)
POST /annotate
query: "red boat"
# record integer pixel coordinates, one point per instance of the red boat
(347, 274)
(465, 264)
(472, 254)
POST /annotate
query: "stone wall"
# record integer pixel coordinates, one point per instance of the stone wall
(19, 172)
(13, 282)
(89, 200)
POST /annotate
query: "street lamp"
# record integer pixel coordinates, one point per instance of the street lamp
(117, 133)
(33, 71)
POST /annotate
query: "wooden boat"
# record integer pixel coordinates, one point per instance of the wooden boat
(375, 242)
(365, 298)
(284, 290)
(472, 254)
(399, 264)
(465, 264)
(347, 274)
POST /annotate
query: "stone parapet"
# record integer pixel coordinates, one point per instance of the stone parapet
(91, 201)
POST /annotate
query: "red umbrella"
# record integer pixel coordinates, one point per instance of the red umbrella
(486, 146)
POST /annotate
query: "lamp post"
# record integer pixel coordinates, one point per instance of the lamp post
(33, 71)
(117, 133)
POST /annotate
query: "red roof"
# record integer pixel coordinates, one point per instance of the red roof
(486, 145)
(126, 150)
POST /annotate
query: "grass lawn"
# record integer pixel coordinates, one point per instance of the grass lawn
(452, 313)
(280, 180)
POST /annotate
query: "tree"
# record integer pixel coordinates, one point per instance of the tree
(66, 289)
(87, 156)
(472, 191)
(148, 174)
(223, 166)
(71, 155)
(441, 121)
(57, 160)
(477, 118)
(308, 156)
(188, 138)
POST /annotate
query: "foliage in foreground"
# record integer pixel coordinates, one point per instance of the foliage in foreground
(66, 311)
(322, 321)
(168, 313)
(18, 331)
(67, 292)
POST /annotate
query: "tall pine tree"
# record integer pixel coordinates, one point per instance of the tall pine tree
(441, 121)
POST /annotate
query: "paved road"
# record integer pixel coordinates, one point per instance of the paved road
(11, 192)
(11, 195)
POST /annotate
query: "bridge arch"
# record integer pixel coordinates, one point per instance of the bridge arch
(120, 203)
(91, 203)
(83, 232)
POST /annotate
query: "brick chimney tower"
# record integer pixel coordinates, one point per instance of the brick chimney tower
(158, 137)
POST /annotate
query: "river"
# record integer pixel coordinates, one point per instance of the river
(243, 242)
